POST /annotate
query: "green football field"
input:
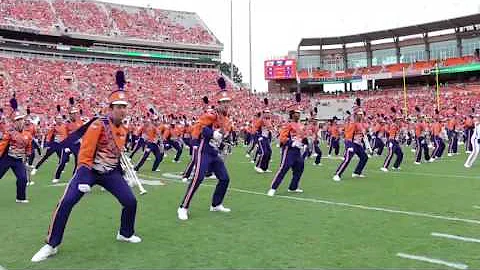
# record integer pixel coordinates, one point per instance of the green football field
(364, 223)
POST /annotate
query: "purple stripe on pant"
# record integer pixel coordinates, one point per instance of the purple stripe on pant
(52, 148)
(194, 146)
(352, 149)
(265, 153)
(318, 151)
(291, 158)
(393, 148)
(439, 147)
(211, 163)
(113, 182)
(18, 168)
(153, 148)
(334, 145)
(422, 147)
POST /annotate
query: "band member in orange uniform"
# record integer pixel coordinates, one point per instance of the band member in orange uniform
(99, 163)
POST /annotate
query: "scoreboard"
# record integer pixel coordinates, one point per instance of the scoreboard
(280, 69)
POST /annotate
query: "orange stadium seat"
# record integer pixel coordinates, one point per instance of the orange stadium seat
(421, 65)
(396, 67)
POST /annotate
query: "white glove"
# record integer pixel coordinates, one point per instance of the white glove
(67, 150)
(217, 135)
(84, 188)
(297, 144)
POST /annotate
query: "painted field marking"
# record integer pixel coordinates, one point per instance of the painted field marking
(152, 182)
(58, 185)
(172, 175)
(428, 174)
(432, 260)
(347, 205)
(456, 237)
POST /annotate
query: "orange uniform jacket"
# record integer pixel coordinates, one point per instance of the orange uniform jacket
(393, 132)
(206, 119)
(291, 130)
(101, 149)
(333, 130)
(152, 133)
(419, 128)
(19, 144)
(452, 124)
(469, 122)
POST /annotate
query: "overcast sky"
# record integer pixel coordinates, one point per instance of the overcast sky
(278, 25)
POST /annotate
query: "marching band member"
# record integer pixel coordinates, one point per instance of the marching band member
(30, 127)
(139, 142)
(208, 156)
(421, 130)
(99, 163)
(54, 137)
(154, 144)
(253, 137)
(264, 140)
(438, 143)
(354, 134)
(196, 131)
(172, 136)
(195, 142)
(378, 133)
(70, 126)
(334, 137)
(469, 128)
(15, 146)
(315, 129)
(292, 139)
(393, 144)
(452, 134)
(187, 136)
(475, 140)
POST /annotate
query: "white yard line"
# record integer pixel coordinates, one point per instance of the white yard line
(403, 172)
(58, 185)
(152, 182)
(347, 205)
(476, 207)
(426, 174)
(456, 237)
(432, 260)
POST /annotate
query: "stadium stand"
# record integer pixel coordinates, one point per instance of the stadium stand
(102, 19)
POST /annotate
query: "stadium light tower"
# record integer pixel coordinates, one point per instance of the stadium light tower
(250, 42)
(231, 39)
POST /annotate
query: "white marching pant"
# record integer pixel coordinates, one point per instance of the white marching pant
(473, 156)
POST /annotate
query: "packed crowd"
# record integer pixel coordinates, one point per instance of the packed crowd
(396, 69)
(458, 98)
(102, 19)
(178, 92)
(41, 84)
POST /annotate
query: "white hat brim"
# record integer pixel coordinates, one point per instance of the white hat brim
(119, 102)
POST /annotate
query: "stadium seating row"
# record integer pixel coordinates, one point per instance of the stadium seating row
(40, 84)
(393, 68)
(102, 19)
